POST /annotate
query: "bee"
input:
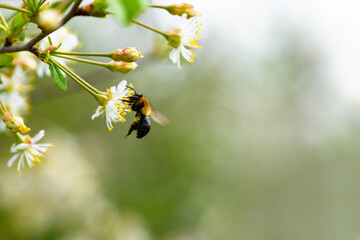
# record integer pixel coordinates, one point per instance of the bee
(143, 110)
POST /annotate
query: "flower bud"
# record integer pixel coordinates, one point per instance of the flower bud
(174, 38)
(49, 20)
(15, 123)
(180, 9)
(122, 67)
(95, 9)
(128, 54)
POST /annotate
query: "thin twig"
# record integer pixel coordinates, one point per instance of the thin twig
(27, 46)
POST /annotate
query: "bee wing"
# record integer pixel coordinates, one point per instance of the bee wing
(158, 117)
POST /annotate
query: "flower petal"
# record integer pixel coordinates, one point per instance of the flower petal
(97, 113)
(122, 85)
(12, 160)
(175, 55)
(38, 136)
(19, 147)
(186, 53)
(20, 163)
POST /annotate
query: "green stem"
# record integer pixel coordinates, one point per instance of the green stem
(92, 90)
(6, 26)
(2, 107)
(82, 60)
(151, 28)
(6, 6)
(157, 6)
(34, 5)
(19, 138)
(83, 54)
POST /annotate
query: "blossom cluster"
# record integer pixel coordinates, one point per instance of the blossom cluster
(25, 57)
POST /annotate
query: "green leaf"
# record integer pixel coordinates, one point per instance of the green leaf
(126, 10)
(58, 77)
(22, 36)
(55, 4)
(5, 60)
(18, 21)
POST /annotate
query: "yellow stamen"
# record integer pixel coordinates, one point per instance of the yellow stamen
(23, 129)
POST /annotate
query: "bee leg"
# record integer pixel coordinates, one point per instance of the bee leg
(127, 86)
(134, 126)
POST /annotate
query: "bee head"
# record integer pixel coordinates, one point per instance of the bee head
(138, 95)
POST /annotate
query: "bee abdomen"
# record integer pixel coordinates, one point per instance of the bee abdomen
(143, 127)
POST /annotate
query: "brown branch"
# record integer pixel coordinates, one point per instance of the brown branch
(27, 46)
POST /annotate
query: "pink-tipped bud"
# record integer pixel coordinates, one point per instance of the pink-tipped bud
(122, 67)
(129, 54)
(51, 48)
(95, 9)
(174, 38)
(15, 123)
(180, 9)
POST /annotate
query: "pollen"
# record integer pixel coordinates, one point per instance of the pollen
(36, 159)
(23, 129)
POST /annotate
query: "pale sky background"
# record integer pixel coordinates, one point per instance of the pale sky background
(332, 26)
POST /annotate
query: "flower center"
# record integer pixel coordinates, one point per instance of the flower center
(174, 39)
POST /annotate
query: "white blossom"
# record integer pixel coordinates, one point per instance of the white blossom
(29, 151)
(14, 90)
(115, 109)
(189, 34)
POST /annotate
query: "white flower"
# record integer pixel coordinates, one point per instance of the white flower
(49, 19)
(188, 34)
(68, 41)
(29, 152)
(26, 60)
(115, 109)
(14, 90)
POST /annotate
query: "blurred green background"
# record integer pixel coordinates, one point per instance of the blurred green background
(258, 148)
